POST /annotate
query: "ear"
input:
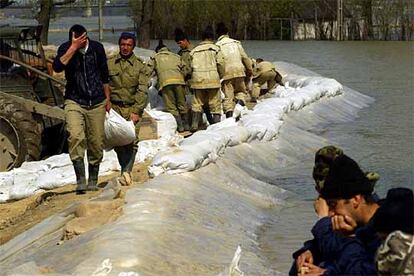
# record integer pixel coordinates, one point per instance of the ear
(356, 200)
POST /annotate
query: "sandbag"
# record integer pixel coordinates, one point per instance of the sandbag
(118, 131)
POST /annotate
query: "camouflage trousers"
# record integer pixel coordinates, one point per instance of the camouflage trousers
(85, 126)
(174, 99)
(268, 77)
(126, 154)
(206, 97)
(233, 89)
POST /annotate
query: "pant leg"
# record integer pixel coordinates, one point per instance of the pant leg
(228, 90)
(180, 99)
(168, 96)
(197, 102)
(257, 84)
(240, 89)
(95, 118)
(76, 127)
(214, 100)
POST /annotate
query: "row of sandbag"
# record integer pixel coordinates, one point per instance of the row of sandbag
(262, 124)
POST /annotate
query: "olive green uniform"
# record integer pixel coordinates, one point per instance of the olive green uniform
(169, 70)
(128, 79)
(236, 63)
(207, 65)
(265, 72)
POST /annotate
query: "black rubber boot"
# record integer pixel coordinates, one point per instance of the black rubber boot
(185, 121)
(79, 168)
(209, 116)
(216, 118)
(240, 102)
(229, 114)
(131, 161)
(93, 177)
(195, 121)
(180, 127)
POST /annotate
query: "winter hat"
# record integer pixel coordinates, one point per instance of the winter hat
(324, 158)
(396, 212)
(179, 35)
(208, 33)
(345, 179)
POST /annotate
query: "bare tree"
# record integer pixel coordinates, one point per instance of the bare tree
(43, 17)
(142, 15)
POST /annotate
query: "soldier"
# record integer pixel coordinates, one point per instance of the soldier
(206, 69)
(86, 99)
(237, 65)
(169, 70)
(264, 72)
(129, 78)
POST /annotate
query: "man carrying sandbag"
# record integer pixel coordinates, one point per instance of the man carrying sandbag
(128, 80)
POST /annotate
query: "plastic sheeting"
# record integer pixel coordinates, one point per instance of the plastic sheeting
(191, 223)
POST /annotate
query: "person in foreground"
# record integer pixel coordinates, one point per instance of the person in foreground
(344, 241)
(128, 79)
(86, 99)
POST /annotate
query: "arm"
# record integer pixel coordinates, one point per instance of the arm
(64, 56)
(141, 94)
(103, 68)
(220, 63)
(247, 62)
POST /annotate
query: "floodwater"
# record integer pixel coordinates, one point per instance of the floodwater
(381, 139)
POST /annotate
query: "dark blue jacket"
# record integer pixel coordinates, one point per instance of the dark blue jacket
(341, 255)
(85, 74)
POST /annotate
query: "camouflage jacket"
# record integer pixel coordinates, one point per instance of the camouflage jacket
(128, 79)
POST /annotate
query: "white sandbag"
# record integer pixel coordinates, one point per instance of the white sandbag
(236, 135)
(118, 131)
(166, 124)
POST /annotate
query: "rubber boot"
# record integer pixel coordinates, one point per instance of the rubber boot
(185, 121)
(216, 118)
(209, 116)
(93, 177)
(79, 168)
(126, 177)
(240, 102)
(180, 127)
(195, 120)
(229, 114)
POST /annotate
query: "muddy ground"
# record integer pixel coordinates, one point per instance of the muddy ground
(19, 216)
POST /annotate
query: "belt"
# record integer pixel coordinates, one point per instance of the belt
(122, 104)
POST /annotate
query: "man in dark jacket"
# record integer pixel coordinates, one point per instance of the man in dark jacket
(344, 240)
(86, 99)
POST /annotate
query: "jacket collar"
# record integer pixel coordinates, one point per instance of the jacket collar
(130, 60)
(223, 36)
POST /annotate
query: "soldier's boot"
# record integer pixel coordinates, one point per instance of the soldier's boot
(180, 127)
(196, 116)
(240, 102)
(79, 167)
(93, 177)
(209, 116)
(216, 118)
(126, 177)
(229, 114)
(185, 121)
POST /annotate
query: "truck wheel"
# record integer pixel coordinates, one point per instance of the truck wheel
(20, 136)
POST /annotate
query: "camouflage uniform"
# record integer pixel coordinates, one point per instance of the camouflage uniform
(396, 255)
(236, 63)
(264, 72)
(206, 69)
(169, 69)
(129, 85)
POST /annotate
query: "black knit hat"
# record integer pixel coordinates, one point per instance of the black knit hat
(396, 212)
(345, 179)
(179, 35)
(208, 33)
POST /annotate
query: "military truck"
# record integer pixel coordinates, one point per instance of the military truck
(31, 99)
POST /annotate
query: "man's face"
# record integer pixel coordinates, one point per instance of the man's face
(340, 207)
(183, 44)
(126, 46)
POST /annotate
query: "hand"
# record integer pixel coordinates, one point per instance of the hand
(79, 42)
(134, 118)
(311, 269)
(344, 225)
(321, 207)
(108, 105)
(305, 257)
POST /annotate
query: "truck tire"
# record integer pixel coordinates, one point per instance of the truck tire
(20, 135)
